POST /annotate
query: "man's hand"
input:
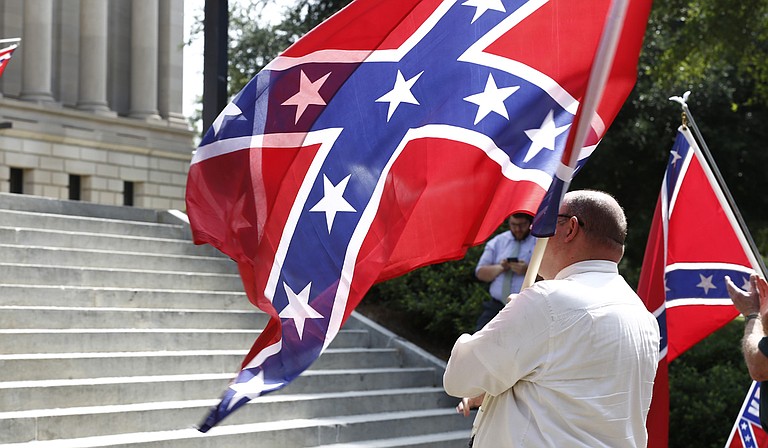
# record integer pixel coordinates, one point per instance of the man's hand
(746, 302)
(519, 267)
(467, 404)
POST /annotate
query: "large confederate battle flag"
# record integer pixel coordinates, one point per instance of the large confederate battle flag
(395, 135)
(694, 243)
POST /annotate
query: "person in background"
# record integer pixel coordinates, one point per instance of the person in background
(570, 360)
(503, 263)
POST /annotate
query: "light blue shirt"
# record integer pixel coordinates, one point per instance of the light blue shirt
(500, 247)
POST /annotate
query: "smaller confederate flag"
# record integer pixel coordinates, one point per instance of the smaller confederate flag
(5, 57)
(747, 432)
(694, 243)
(704, 244)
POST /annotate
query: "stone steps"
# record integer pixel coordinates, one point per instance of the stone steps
(60, 317)
(62, 393)
(297, 432)
(49, 221)
(117, 331)
(84, 258)
(39, 366)
(100, 241)
(132, 296)
(95, 340)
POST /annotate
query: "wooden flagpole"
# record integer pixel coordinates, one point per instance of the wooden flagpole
(599, 72)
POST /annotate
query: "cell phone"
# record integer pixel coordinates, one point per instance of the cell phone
(512, 260)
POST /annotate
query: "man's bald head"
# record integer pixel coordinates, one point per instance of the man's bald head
(591, 226)
(603, 219)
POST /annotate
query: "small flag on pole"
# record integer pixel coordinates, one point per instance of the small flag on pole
(5, 56)
(747, 432)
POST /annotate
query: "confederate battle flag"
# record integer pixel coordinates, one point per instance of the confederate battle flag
(694, 243)
(396, 134)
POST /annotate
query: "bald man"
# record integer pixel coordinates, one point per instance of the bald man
(571, 360)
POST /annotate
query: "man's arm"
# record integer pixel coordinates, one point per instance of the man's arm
(756, 359)
(753, 304)
(487, 268)
(489, 272)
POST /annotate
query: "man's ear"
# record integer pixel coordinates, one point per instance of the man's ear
(573, 229)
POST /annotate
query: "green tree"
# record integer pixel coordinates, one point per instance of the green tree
(707, 386)
(254, 42)
(708, 47)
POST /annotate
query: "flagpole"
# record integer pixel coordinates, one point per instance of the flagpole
(604, 56)
(10, 39)
(720, 180)
(598, 76)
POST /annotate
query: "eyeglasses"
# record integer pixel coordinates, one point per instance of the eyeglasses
(579, 220)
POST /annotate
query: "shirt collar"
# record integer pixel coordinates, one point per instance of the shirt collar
(604, 266)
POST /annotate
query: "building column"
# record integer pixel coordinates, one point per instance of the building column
(92, 93)
(170, 98)
(37, 48)
(144, 59)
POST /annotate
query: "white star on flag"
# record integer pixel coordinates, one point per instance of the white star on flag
(400, 93)
(746, 286)
(333, 200)
(544, 136)
(251, 389)
(484, 5)
(230, 110)
(675, 157)
(706, 283)
(298, 308)
(308, 94)
(491, 99)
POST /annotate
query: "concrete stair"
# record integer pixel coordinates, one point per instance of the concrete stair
(116, 330)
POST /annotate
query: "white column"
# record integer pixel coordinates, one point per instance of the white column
(37, 48)
(170, 98)
(92, 93)
(144, 62)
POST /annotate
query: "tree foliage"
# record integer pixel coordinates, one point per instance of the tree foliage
(254, 42)
(707, 386)
(699, 46)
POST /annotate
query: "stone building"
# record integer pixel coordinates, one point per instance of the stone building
(93, 95)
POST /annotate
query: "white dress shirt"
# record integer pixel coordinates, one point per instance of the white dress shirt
(569, 362)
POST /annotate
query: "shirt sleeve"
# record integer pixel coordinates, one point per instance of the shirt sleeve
(489, 255)
(763, 346)
(513, 346)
